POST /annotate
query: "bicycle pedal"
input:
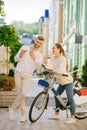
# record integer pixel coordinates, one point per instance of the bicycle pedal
(56, 109)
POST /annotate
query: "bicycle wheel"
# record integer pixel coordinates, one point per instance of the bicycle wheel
(38, 106)
(81, 109)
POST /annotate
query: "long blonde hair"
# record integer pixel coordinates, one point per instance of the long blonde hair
(62, 53)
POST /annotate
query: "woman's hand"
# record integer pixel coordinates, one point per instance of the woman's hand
(46, 57)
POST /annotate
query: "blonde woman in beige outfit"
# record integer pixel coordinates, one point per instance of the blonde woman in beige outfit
(59, 62)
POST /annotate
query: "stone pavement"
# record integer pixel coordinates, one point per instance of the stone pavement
(42, 124)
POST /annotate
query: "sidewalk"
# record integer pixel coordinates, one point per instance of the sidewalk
(42, 124)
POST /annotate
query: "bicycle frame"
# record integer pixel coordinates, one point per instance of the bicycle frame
(46, 84)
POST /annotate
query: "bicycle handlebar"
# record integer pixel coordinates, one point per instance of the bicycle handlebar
(50, 71)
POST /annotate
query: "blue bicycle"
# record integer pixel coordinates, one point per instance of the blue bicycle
(40, 102)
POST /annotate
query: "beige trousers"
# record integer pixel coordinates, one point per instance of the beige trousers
(22, 82)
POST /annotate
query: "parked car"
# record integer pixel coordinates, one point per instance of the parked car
(26, 39)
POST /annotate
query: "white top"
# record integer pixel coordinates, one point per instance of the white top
(59, 64)
(59, 67)
(26, 64)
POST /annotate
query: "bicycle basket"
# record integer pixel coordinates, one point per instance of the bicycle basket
(43, 83)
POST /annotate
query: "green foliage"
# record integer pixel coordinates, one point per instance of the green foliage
(21, 28)
(84, 74)
(8, 35)
(9, 38)
(1, 80)
(2, 13)
(75, 73)
(14, 50)
(11, 73)
(43, 73)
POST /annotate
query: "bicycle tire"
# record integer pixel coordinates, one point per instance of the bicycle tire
(81, 110)
(38, 106)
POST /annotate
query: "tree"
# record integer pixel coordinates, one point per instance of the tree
(13, 51)
(75, 73)
(84, 74)
(2, 13)
(21, 27)
(10, 39)
(8, 36)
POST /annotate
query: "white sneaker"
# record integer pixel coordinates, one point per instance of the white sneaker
(54, 117)
(11, 114)
(71, 120)
(23, 118)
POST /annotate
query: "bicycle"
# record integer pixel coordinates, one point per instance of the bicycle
(40, 102)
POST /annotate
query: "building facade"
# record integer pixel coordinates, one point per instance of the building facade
(44, 30)
(75, 32)
(55, 22)
(51, 26)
